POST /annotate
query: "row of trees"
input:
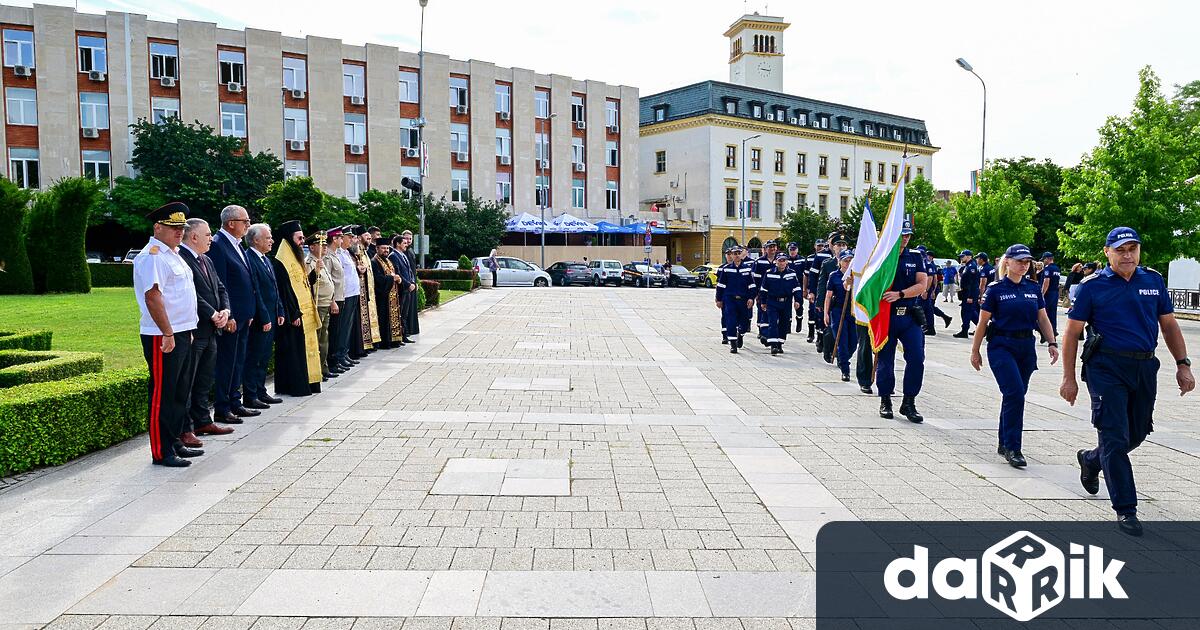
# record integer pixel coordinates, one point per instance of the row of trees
(42, 243)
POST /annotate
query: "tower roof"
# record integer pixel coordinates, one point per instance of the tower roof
(754, 20)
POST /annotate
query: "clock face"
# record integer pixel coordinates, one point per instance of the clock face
(764, 69)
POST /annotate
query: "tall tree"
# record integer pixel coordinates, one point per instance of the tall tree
(881, 200)
(56, 228)
(1142, 174)
(805, 225)
(993, 219)
(929, 215)
(392, 211)
(472, 228)
(15, 275)
(1042, 182)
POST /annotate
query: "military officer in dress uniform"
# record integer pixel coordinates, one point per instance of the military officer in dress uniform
(1050, 278)
(735, 297)
(968, 308)
(1126, 306)
(906, 327)
(166, 297)
(799, 265)
(813, 273)
(779, 291)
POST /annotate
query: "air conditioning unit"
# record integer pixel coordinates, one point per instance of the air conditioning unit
(794, 120)
(166, 81)
(296, 145)
(356, 149)
(298, 94)
(676, 213)
(357, 100)
(96, 75)
(771, 117)
(505, 115)
(461, 108)
(579, 167)
(21, 71)
(816, 123)
(234, 86)
(545, 164)
(460, 156)
(505, 160)
(412, 152)
(91, 132)
(579, 124)
(614, 129)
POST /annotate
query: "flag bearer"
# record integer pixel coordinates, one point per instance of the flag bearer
(906, 327)
(777, 296)
(839, 319)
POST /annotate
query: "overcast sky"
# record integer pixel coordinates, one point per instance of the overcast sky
(1055, 70)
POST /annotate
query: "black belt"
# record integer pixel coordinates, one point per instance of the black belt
(901, 311)
(1015, 334)
(779, 299)
(1141, 356)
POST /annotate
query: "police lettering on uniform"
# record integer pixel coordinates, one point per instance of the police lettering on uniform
(166, 297)
(1012, 309)
(812, 275)
(969, 281)
(1126, 306)
(798, 264)
(779, 291)
(838, 316)
(1049, 280)
(764, 263)
(735, 297)
(987, 273)
(906, 327)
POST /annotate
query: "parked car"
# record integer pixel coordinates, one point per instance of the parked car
(642, 275)
(130, 255)
(679, 276)
(95, 257)
(605, 272)
(446, 264)
(513, 272)
(480, 265)
(568, 272)
(707, 274)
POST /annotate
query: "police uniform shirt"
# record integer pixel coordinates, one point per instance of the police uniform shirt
(970, 280)
(736, 280)
(988, 273)
(159, 265)
(1124, 312)
(838, 288)
(1014, 307)
(1052, 273)
(907, 268)
(815, 262)
(799, 265)
(780, 285)
(931, 269)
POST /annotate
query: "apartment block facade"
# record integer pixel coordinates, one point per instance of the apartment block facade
(346, 115)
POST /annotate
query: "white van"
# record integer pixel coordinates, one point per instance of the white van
(605, 272)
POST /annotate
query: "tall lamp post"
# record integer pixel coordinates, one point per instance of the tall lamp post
(962, 63)
(544, 149)
(421, 123)
(745, 201)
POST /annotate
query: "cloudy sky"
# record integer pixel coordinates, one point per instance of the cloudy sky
(1055, 70)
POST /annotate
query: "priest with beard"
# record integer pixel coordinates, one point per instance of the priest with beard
(387, 297)
(297, 355)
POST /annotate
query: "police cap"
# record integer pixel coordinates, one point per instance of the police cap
(1119, 236)
(1018, 252)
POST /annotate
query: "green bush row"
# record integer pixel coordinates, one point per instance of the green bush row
(25, 339)
(430, 289)
(457, 285)
(111, 274)
(47, 424)
(446, 274)
(19, 367)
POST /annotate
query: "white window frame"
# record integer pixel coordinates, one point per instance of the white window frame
(730, 107)
(295, 74)
(235, 61)
(612, 113)
(231, 115)
(460, 138)
(780, 206)
(95, 108)
(541, 191)
(460, 185)
(410, 86)
(504, 189)
(356, 180)
(15, 102)
(802, 164)
(95, 55)
(354, 129)
(503, 143)
(541, 146)
(459, 92)
(578, 113)
(164, 58)
(299, 121)
(541, 103)
(756, 110)
(100, 164)
(159, 104)
(295, 168)
(578, 154)
(503, 99)
(612, 196)
(612, 153)
(410, 135)
(19, 160)
(17, 51)
(356, 76)
(578, 194)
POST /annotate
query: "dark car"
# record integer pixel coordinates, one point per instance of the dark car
(679, 276)
(642, 275)
(569, 272)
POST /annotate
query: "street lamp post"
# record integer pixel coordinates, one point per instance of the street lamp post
(962, 63)
(745, 201)
(421, 124)
(544, 149)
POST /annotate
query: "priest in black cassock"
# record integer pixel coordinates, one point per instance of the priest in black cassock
(297, 356)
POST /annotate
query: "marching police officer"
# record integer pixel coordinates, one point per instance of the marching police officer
(1012, 309)
(735, 297)
(906, 327)
(814, 262)
(1050, 279)
(837, 244)
(929, 304)
(799, 265)
(987, 273)
(728, 253)
(1126, 306)
(764, 263)
(838, 317)
(780, 289)
(968, 308)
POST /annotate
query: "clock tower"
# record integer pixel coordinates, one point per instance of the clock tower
(756, 51)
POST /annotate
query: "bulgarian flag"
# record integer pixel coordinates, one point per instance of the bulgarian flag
(867, 236)
(879, 271)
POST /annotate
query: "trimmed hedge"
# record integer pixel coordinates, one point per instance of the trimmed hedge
(25, 339)
(446, 274)
(19, 367)
(47, 424)
(111, 274)
(456, 285)
(430, 289)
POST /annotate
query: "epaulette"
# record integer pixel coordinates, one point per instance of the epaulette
(1091, 277)
(1153, 271)
(153, 250)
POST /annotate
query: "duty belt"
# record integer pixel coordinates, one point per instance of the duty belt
(899, 310)
(1011, 334)
(780, 299)
(1141, 356)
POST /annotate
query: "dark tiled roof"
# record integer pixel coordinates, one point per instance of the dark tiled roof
(710, 97)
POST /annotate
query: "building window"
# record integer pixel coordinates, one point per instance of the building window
(577, 113)
(410, 87)
(867, 172)
(660, 161)
(353, 80)
(846, 127)
(880, 171)
(460, 139)
(779, 162)
(895, 173)
(611, 196)
(756, 110)
(844, 166)
(869, 129)
(755, 204)
(295, 124)
(164, 60)
(460, 186)
(801, 163)
(907, 174)
(504, 188)
(356, 180)
(577, 151)
(822, 166)
(458, 92)
(23, 167)
(541, 191)
(801, 118)
(801, 200)
(354, 128)
(611, 153)
(504, 143)
(824, 122)
(414, 174)
(730, 156)
(541, 103)
(410, 135)
(93, 110)
(612, 113)
(577, 193)
(18, 51)
(21, 106)
(660, 114)
(730, 107)
(920, 171)
(755, 159)
(92, 54)
(503, 99)
(97, 165)
(541, 147)
(164, 108)
(295, 168)
(232, 67)
(295, 74)
(779, 206)
(233, 120)
(843, 205)
(822, 203)
(730, 203)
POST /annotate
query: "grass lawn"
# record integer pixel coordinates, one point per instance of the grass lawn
(446, 296)
(105, 321)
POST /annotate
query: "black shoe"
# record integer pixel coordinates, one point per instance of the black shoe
(775, 349)
(1087, 477)
(227, 418)
(243, 412)
(811, 332)
(269, 400)
(1000, 450)
(172, 461)
(947, 319)
(733, 348)
(799, 326)
(1129, 524)
(885, 407)
(828, 358)
(866, 389)
(408, 340)
(845, 377)
(1015, 459)
(961, 335)
(183, 451)
(255, 404)
(930, 332)
(908, 409)
(741, 341)
(724, 341)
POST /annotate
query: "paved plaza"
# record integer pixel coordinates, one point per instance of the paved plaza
(551, 459)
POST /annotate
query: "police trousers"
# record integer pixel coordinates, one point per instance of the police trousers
(1122, 390)
(779, 318)
(170, 387)
(735, 316)
(1052, 310)
(814, 311)
(845, 335)
(969, 313)
(1012, 362)
(904, 329)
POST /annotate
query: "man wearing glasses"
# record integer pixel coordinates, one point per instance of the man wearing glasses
(232, 266)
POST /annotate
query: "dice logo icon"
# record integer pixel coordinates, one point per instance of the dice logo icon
(1023, 576)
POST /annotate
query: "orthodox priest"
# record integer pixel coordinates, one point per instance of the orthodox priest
(297, 356)
(387, 296)
(365, 341)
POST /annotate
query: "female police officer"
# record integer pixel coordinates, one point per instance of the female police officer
(838, 316)
(1012, 308)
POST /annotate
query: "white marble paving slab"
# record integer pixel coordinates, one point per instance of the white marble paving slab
(565, 594)
(45, 586)
(337, 593)
(452, 593)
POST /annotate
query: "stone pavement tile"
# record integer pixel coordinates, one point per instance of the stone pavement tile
(452, 593)
(141, 622)
(103, 545)
(565, 594)
(41, 589)
(676, 594)
(144, 591)
(223, 592)
(747, 594)
(337, 593)
(77, 622)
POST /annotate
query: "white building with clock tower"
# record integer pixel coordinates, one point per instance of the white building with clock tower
(756, 52)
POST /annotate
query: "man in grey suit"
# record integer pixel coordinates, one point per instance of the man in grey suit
(212, 303)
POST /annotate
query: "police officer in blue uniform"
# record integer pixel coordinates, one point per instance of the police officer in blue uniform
(1050, 278)
(799, 265)
(930, 302)
(735, 297)
(969, 300)
(779, 291)
(906, 327)
(1012, 309)
(719, 272)
(815, 261)
(987, 274)
(838, 317)
(1126, 306)
(764, 263)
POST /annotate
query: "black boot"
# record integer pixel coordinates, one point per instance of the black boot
(812, 330)
(1015, 459)
(947, 319)
(885, 407)
(908, 409)
(740, 341)
(724, 341)
(799, 324)
(733, 348)
(962, 334)
(776, 349)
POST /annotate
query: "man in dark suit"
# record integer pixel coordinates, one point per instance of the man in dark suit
(233, 268)
(268, 315)
(212, 302)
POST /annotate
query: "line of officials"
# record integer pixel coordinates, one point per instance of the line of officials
(215, 308)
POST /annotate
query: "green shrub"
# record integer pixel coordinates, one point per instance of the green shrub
(57, 227)
(420, 297)
(446, 274)
(464, 262)
(25, 339)
(456, 285)
(430, 289)
(16, 278)
(111, 274)
(19, 367)
(47, 424)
